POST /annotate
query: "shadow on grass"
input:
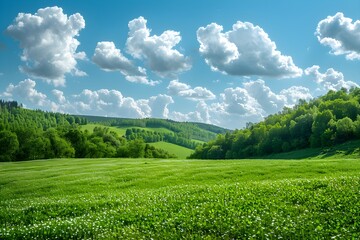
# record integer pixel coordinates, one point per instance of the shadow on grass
(350, 149)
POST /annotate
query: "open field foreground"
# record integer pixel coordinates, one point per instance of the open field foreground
(174, 199)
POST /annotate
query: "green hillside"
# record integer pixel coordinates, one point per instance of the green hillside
(33, 134)
(90, 127)
(196, 131)
(347, 150)
(179, 151)
(322, 123)
(180, 199)
(185, 135)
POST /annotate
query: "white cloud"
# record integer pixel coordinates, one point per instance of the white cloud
(244, 51)
(157, 51)
(268, 100)
(341, 35)
(49, 44)
(330, 80)
(25, 90)
(239, 101)
(250, 103)
(294, 94)
(159, 105)
(105, 102)
(59, 95)
(26, 93)
(201, 114)
(109, 58)
(177, 88)
(142, 79)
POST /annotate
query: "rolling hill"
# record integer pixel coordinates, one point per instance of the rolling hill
(178, 138)
(321, 123)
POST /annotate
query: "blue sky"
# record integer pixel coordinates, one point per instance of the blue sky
(219, 62)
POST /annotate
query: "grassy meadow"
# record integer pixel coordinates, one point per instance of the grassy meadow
(179, 151)
(122, 130)
(174, 199)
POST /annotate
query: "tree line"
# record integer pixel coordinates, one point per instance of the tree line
(33, 134)
(323, 122)
(151, 136)
(199, 131)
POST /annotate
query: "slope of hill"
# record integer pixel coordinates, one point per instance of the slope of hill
(171, 148)
(197, 131)
(321, 123)
(346, 150)
(184, 134)
(179, 151)
(33, 134)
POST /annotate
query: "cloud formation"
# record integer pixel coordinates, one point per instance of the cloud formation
(341, 35)
(157, 51)
(159, 105)
(109, 58)
(176, 88)
(48, 40)
(25, 90)
(245, 50)
(269, 101)
(330, 80)
(294, 94)
(250, 103)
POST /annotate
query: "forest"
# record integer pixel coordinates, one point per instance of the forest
(322, 122)
(151, 136)
(33, 134)
(186, 130)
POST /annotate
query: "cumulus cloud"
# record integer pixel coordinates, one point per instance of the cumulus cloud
(341, 34)
(59, 96)
(105, 102)
(157, 51)
(159, 105)
(244, 51)
(250, 103)
(48, 40)
(142, 79)
(330, 80)
(109, 58)
(177, 88)
(201, 114)
(294, 94)
(268, 100)
(25, 90)
(102, 102)
(239, 101)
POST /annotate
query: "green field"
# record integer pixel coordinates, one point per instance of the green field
(179, 151)
(122, 130)
(90, 127)
(173, 199)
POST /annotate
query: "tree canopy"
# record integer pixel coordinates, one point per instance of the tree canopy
(328, 120)
(33, 134)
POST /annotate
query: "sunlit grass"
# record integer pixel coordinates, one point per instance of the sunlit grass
(179, 151)
(144, 198)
